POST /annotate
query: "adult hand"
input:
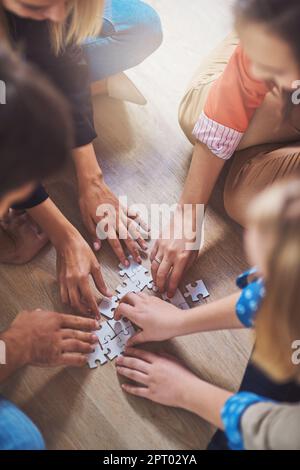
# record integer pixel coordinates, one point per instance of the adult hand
(117, 222)
(171, 257)
(157, 319)
(52, 339)
(76, 262)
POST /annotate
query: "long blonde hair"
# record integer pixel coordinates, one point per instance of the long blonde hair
(276, 215)
(83, 20)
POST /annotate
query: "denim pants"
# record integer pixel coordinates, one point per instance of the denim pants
(17, 432)
(131, 31)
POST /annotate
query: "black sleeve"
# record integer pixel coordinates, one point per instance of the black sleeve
(36, 198)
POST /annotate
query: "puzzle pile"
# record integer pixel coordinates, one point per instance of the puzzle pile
(113, 335)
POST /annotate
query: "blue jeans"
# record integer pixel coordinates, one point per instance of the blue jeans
(131, 32)
(17, 432)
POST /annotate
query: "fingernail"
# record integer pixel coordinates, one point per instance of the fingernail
(139, 260)
(127, 263)
(95, 338)
(97, 246)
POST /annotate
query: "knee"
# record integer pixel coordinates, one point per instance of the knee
(17, 431)
(145, 29)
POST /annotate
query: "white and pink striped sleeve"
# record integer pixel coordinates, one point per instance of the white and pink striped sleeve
(221, 140)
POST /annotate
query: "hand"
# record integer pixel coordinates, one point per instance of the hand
(170, 258)
(52, 339)
(96, 194)
(157, 319)
(161, 379)
(75, 263)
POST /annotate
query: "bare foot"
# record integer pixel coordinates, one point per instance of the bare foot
(20, 239)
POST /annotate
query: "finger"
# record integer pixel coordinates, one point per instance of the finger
(76, 346)
(73, 359)
(140, 354)
(135, 234)
(137, 391)
(75, 301)
(138, 338)
(133, 363)
(80, 335)
(136, 216)
(154, 251)
(78, 323)
(133, 248)
(127, 311)
(163, 274)
(86, 293)
(133, 375)
(118, 250)
(155, 266)
(175, 277)
(64, 293)
(99, 282)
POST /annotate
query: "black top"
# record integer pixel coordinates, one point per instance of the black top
(67, 71)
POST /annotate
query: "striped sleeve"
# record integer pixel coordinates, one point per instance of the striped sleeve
(230, 106)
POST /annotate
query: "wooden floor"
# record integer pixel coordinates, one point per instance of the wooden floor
(144, 155)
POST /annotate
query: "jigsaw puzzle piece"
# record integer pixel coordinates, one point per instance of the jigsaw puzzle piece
(131, 270)
(196, 290)
(105, 334)
(98, 356)
(108, 306)
(120, 326)
(178, 300)
(141, 280)
(127, 287)
(117, 345)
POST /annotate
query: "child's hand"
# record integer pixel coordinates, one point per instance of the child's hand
(157, 319)
(161, 379)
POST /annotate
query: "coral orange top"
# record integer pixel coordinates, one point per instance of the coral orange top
(230, 106)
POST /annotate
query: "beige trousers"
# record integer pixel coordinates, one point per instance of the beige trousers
(269, 150)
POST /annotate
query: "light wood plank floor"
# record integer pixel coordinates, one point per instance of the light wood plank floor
(145, 155)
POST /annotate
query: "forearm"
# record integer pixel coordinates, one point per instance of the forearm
(205, 400)
(87, 167)
(13, 356)
(219, 315)
(202, 177)
(53, 222)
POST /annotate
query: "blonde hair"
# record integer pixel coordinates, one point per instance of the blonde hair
(276, 215)
(83, 20)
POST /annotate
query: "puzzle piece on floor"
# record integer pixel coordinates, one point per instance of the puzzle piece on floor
(178, 300)
(108, 306)
(141, 280)
(196, 290)
(105, 334)
(127, 287)
(119, 326)
(117, 345)
(131, 270)
(97, 356)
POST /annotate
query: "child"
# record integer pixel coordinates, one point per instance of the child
(265, 414)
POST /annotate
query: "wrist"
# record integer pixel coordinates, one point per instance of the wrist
(16, 348)
(87, 167)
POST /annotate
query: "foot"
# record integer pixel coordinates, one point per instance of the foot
(20, 239)
(119, 87)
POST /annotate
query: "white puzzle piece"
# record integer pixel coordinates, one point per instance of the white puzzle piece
(127, 287)
(131, 270)
(105, 334)
(108, 306)
(141, 280)
(117, 345)
(119, 326)
(178, 300)
(97, 357)
(196, 290)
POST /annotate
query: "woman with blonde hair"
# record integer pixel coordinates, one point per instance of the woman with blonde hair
(265, 413)
(63, 39)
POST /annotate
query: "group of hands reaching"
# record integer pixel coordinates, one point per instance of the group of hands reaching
(54, 339)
